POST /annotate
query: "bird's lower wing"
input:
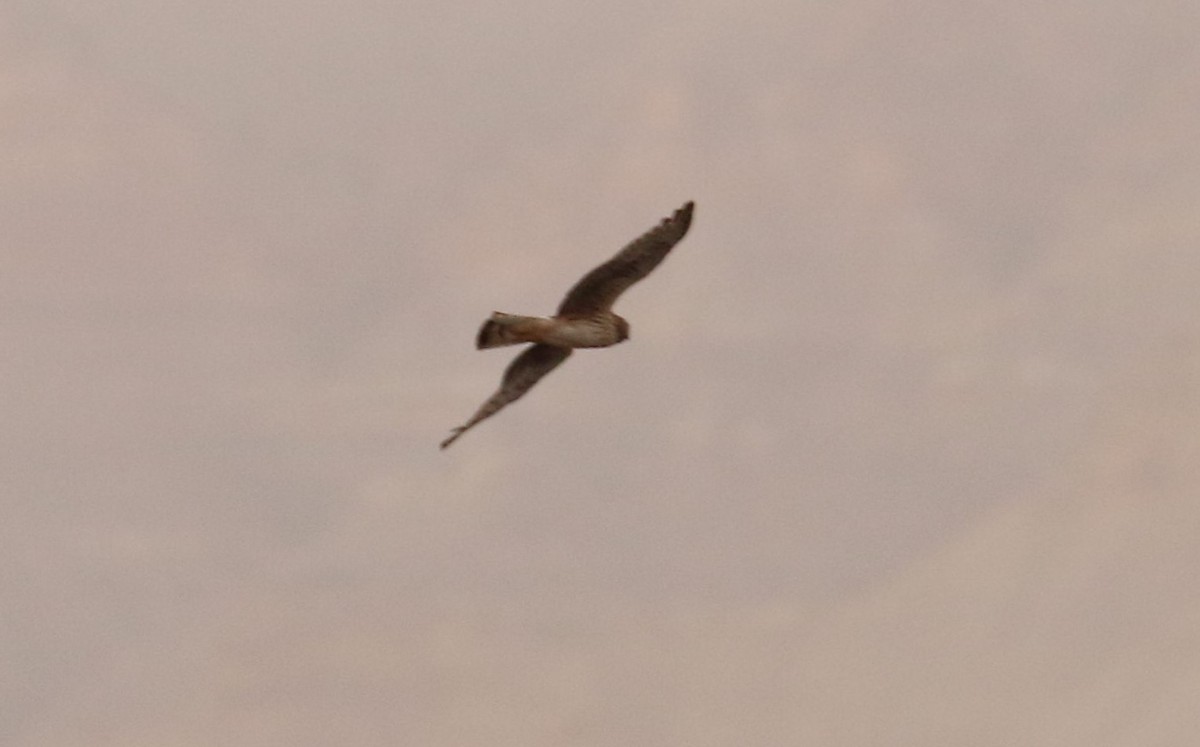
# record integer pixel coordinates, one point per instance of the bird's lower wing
(520, 376)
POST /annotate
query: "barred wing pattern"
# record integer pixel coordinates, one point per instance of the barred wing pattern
(599, 289)
(520, 376)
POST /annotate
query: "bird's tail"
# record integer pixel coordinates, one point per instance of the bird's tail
(506, 329)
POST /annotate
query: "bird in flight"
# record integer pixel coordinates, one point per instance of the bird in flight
(584, 318)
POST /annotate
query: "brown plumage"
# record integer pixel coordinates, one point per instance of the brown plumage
(584, 318)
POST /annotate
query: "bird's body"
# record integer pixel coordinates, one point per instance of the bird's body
(584, 319)
(596, 331)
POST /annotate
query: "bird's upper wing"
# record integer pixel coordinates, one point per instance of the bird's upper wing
(520, 376)
(597, 290)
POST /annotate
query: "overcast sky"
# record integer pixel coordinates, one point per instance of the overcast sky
(903, 449)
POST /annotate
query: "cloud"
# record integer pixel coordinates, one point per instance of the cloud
(901, 443)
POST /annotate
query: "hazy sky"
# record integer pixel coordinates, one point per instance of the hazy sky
(903, 449)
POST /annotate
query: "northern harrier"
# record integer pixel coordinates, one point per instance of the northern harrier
(584, 319)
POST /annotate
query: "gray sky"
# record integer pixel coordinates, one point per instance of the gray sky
(903, 449)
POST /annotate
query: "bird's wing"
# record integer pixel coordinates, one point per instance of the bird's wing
(597, 290)
(520, 376)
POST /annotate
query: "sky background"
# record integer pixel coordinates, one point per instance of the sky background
(903, 450)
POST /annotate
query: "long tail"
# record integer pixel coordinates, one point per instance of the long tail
(504, 329)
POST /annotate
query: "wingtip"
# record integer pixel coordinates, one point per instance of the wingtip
(453, 437)
(684, 214)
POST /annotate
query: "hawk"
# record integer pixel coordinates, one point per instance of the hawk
(584, 318)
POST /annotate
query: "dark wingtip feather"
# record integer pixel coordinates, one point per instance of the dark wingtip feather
(684, 215)
(453, 437)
